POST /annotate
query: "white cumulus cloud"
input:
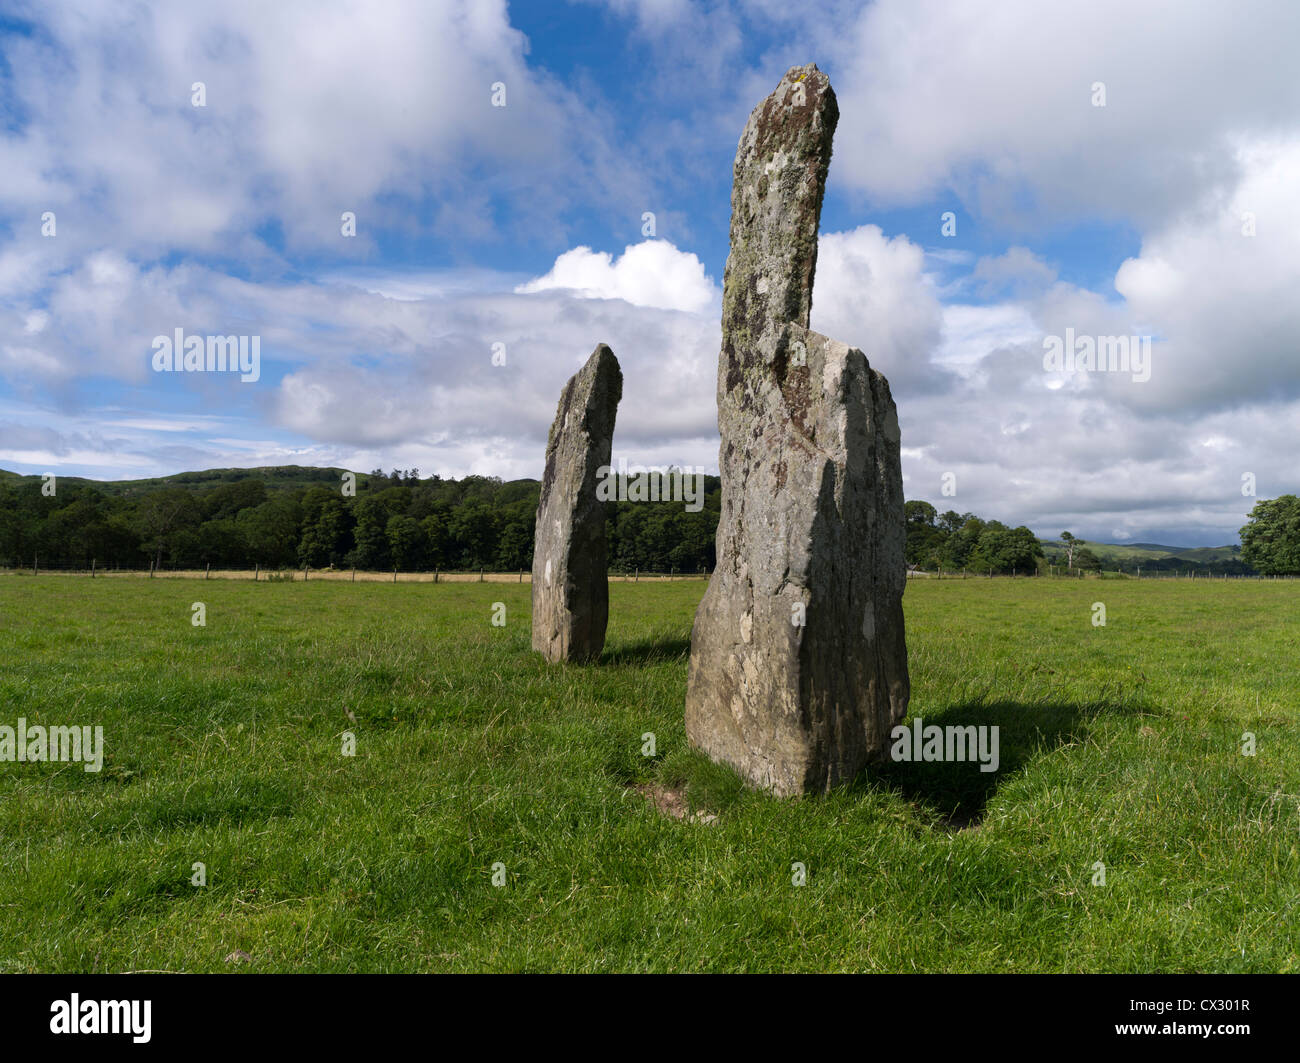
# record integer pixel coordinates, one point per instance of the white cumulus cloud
(651, 273)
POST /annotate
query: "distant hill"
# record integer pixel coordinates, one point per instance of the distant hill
(1112, 553)
(287, 477)
(1209, 553)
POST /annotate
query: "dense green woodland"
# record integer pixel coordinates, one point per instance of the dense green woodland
(963, 541)
(292, 516)
(289, 517)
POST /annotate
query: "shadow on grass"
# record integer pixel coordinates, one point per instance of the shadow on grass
(648, 651)
(956, 793)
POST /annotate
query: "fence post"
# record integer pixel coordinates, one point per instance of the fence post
(394, 573)
(257, 567)
(354, 573)
(92, 568)
(435, 575)
(480, 575)
(637, 578)
(206, 572)
(151, 567)
(305, 570)
(521, 575)
(35, 564)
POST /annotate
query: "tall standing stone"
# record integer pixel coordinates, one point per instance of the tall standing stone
(798, 662)
(570, 578)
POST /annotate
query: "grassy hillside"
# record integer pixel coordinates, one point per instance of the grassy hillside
(274, 476)
(1114, 552)
(1209, 553)
(1120, 746)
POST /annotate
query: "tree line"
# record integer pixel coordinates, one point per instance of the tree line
(293, 517)
(954, 542)
(962, 541)
(395, 520)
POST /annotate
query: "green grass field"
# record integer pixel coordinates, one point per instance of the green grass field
(1119, 744)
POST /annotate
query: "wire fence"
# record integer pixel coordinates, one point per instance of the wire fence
(255, 570)
(275, 574)
(1105, 574)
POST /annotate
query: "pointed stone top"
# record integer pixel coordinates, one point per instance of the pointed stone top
(600, 380)
(602, 358)
(596, 384)
(776, 200)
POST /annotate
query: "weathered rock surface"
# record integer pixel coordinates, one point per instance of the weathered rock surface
(570, 577)
(798, 662)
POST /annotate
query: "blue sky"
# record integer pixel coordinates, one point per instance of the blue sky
(1166, 210)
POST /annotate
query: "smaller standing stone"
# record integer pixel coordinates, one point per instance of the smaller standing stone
(570, 577)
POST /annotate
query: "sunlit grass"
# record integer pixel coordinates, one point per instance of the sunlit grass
(1119, 744)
